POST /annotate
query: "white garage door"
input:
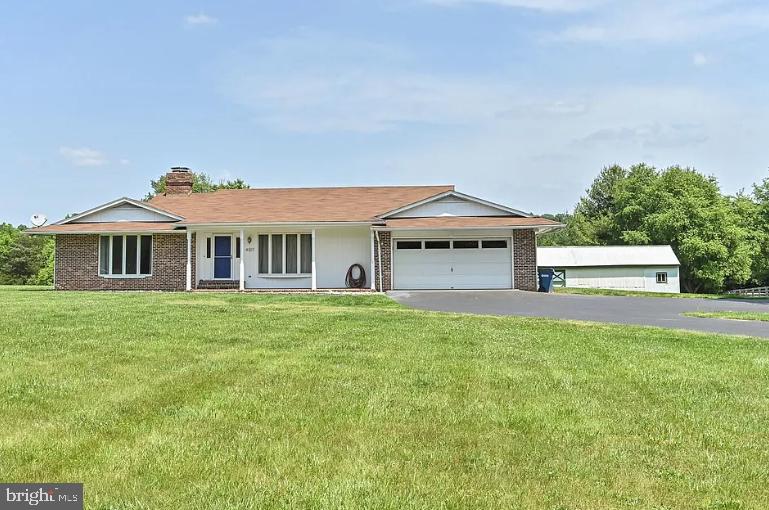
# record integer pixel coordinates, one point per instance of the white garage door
(457, 264)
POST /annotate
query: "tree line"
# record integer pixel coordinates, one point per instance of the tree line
(720, 239)
(24, 259)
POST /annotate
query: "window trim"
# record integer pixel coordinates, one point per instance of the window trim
(283, 273)
(476, 241)
(664, 275)
(445, 244)
(422, 243)
(138, 274)
(399, 241)
(494, 239)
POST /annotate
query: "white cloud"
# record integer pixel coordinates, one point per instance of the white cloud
(193, 20)
(661, 21)
(649, 135)
(540, 5)
(83, 156)
(699, 59)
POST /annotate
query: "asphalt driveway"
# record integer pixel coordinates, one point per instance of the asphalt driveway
(660, 312)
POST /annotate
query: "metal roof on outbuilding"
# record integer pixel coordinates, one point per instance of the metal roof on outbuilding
(599, 256)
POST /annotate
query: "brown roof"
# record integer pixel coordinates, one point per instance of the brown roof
(96, 228)
(294, 205)
(470, 222)
(299, 205)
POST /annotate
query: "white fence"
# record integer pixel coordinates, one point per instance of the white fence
(755, 291)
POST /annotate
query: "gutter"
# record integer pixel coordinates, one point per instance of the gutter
(543, 228)
(277, 224)
(97, 232)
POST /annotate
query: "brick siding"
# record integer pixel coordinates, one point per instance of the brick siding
(386, 239)
(525, 259)
(77, 264)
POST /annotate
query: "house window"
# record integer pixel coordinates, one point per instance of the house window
(125, 255)
(305, 253)
(145, 255)
(285, 254)
(208, 247)
(494, 244)
(292, 254)
(464, 245)
(662, 277)
(409, 245)
(264, 257)
(104, 258)
(276, 253)
(437, 245)
(237, 247)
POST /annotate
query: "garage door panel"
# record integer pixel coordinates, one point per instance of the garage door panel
(461, 268)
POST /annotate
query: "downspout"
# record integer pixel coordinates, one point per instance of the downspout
(55, 259)
(379, 261)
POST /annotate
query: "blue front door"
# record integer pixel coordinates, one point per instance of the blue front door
(222, 257)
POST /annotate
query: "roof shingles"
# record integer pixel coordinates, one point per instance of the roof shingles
(301, 205)
(294, 205)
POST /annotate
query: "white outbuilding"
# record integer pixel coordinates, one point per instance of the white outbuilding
(641, 268)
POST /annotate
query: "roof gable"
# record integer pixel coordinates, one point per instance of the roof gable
(453, 203)
(122, 210)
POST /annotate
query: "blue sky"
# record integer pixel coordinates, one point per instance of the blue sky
(518, 101)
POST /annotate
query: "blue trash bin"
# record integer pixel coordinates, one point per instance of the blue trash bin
(546, 276)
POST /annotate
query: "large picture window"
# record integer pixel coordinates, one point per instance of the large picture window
(125, 255)
(285, 254)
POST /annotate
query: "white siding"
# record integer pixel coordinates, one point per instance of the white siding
(122, 212)
(450, 206)
(336, 249)
(623, 278)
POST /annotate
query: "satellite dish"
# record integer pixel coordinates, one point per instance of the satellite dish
(38, 220)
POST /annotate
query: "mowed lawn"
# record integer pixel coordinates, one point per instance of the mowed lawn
(740, 316)
(214, 401)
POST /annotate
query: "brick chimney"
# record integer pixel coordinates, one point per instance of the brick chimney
(179, 181)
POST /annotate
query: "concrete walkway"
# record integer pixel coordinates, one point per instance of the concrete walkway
(659, 312)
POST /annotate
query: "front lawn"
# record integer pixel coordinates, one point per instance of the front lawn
(215, 401)
(742, 316)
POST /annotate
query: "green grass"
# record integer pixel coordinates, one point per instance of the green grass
(212, 401)
(741, 316)
(638, 293)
